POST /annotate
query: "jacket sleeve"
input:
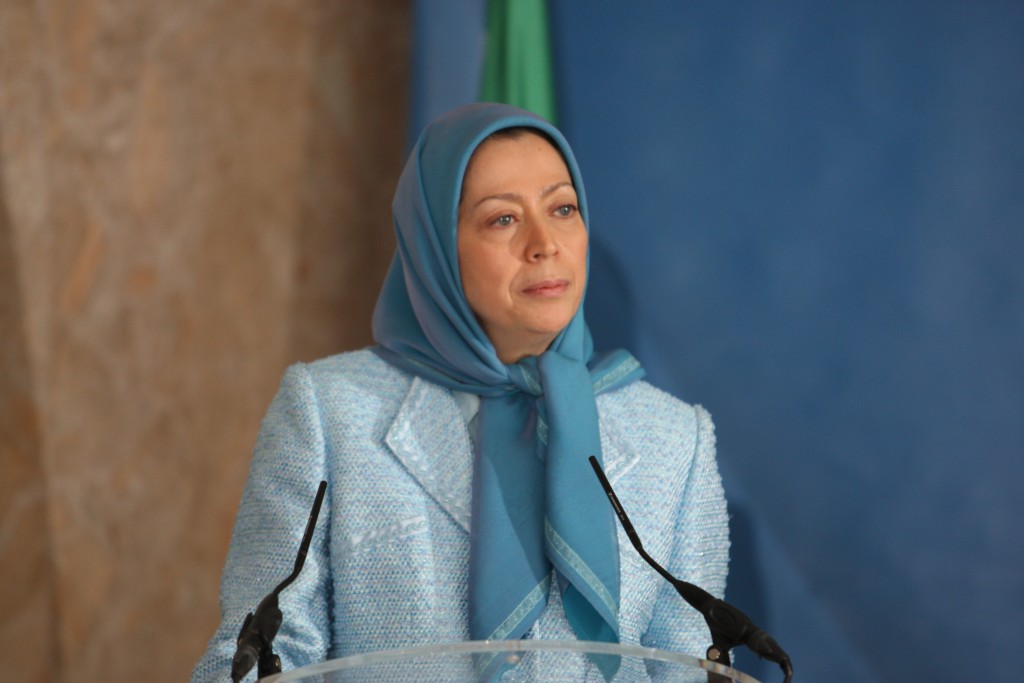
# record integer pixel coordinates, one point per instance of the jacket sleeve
(287, 466)
(700, 554)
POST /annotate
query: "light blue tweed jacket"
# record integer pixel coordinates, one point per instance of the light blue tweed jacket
(388, 564)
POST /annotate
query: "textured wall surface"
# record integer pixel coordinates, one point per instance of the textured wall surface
(192, 196)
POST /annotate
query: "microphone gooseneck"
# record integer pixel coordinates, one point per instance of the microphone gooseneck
(260, 627)
(729, 626)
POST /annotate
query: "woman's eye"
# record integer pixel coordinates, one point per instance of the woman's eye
(502, 221)
(565, 210)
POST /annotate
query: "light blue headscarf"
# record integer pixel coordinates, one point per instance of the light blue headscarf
(536, 502)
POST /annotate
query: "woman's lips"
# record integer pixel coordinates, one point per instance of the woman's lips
(547, 288)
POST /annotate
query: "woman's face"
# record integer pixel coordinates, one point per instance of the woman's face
(522, 244)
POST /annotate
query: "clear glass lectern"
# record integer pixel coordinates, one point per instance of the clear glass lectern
(540, 661)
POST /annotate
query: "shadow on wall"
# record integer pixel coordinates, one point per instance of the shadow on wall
(748, 593)
(609, 304)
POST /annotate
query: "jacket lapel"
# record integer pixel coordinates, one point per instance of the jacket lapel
(430, 438)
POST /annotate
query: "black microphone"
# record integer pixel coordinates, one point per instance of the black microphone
(260, 627)
(254, 641)
(729, 627)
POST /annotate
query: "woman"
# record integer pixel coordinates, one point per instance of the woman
(460, 503)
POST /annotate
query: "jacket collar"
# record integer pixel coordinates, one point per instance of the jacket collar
(430, 438)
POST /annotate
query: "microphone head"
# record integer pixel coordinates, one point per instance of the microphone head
(244, 660)
(766, 648)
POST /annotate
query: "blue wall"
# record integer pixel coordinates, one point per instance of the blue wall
(807, 217)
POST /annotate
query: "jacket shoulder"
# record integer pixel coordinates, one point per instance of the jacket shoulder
(361, 371)
(654, 420)
(641, 398)
(347, 387)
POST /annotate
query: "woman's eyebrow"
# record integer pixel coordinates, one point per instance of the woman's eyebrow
(516, 197)
(510, 196)
(551, 188)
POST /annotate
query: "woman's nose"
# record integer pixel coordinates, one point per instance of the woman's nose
(540, 240)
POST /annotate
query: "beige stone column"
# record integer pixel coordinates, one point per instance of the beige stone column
(192, 196)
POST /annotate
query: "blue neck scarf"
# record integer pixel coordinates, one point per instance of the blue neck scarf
(536, 502)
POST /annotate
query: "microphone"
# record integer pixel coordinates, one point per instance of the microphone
(260, 627)
(729, 626)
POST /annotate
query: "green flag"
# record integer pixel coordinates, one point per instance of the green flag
(517, 62)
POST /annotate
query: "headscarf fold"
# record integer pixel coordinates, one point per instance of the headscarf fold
(536, 503)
